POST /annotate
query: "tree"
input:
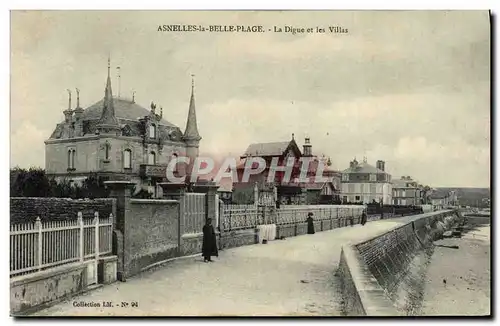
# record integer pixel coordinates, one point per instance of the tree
(93, 187)
(35, 183)
(29, 183)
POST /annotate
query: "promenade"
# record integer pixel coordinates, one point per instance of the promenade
(290, 277)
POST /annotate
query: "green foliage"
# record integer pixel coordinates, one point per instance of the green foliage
(29, 183)
(35, 183)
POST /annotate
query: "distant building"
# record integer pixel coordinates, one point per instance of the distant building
(362, 182)
(289, 191)
(441, 198)
(119, 139)
(406, 191)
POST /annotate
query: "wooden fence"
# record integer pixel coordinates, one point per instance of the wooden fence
(42, 245)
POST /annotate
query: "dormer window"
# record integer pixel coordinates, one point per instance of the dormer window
(345, 177)
(373, 177)
(152, 131)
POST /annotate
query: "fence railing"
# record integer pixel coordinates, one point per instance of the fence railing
(297, 214)
(235, 217)
(239, 216)
(42, 245)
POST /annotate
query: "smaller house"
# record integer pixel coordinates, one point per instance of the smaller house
(405, 191)
(442, 198)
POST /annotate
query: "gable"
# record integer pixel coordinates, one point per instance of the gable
(292, 148)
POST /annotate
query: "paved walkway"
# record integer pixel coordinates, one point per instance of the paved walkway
(290, 277)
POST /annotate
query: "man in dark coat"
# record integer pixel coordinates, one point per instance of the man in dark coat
(209, 246)
(363, 217)
(310, 224)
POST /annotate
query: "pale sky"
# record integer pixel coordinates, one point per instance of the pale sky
(410, 88)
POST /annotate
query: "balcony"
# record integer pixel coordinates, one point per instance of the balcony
(153, 171)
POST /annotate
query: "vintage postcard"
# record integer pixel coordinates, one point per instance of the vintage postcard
(250, 163)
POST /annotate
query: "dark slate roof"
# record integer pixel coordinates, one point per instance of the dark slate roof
(191, 131)
(127, 113)
(58, 131)
(400, 183)
(267, 149)
(124, 109)
(363, 168)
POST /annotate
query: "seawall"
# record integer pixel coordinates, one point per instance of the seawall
(383, 275)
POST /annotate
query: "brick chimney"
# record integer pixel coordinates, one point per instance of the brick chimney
(307, 148)
(381, 165)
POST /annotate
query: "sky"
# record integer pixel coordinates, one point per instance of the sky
(409, 88)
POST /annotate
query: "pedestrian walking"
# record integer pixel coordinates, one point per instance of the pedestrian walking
(209, 246)
(363, 217)
(310, 223)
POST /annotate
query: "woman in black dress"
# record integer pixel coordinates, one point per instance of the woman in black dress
(209, 246)
(310, 224)
(363, 217)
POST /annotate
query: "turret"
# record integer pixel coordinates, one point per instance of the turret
(191, 135)
(108, 122)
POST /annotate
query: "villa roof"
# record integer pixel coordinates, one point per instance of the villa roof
(363, 168)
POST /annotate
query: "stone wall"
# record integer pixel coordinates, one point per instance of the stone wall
(191, 244)
(151, 233)
(30, 291)
(26, 209)
(238, 238)
(383, 275)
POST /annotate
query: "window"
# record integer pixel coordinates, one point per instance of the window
(373, 189)
(152, 131)
(71, 159)
(107, 148)
(345, 177)
(174, 156)
(358, 198)
(345, 199)
(362, 188)
(127, 159)
(152, 158)
(373, 177)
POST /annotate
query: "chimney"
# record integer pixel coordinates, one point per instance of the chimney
(307, 147)
(78, 112)
(380, 165)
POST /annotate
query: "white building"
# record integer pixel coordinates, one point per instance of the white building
(363, 182)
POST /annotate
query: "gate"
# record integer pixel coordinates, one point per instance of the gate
(194, 212)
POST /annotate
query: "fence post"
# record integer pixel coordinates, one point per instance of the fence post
(96, 225)
(38, 226)
(80, 223)
(111, 232)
